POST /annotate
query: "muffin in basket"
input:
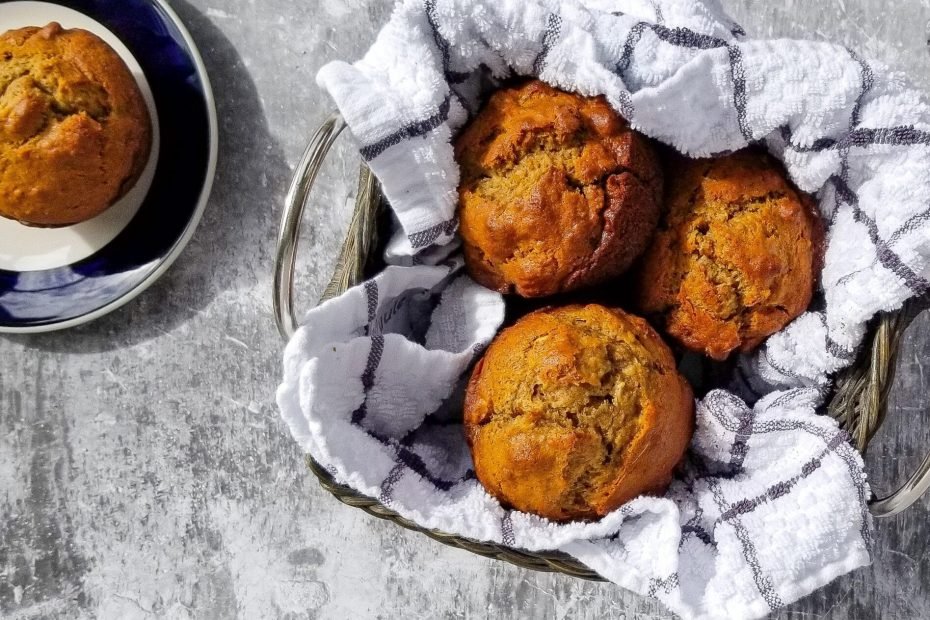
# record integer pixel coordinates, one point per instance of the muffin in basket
(574, 411)
(75, 132)
(736, 257)
(556, 191)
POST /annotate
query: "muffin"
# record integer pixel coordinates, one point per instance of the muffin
(736, 256)
(574, 411)
(75, 132)
(556, 192)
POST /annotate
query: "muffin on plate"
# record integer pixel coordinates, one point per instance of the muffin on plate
(736, 256)
(576, 410)
(556, 191)
(75, 132)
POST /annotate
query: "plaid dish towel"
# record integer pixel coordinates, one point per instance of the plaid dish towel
(771, 503)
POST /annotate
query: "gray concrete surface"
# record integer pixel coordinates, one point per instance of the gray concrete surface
(144, 471)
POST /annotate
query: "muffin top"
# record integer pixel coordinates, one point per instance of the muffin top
(575, 410)
(736, 257)
(556, 192)
(75, 132)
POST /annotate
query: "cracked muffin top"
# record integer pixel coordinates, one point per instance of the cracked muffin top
(557, 192)
(75, 132)
(736, 256)
(576, 410)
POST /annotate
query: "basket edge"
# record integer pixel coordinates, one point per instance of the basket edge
(862, 389)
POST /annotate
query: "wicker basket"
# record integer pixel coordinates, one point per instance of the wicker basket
(858, 402)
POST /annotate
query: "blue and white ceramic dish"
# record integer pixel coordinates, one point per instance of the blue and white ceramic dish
(56, 278)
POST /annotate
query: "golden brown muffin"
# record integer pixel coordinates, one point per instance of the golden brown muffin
(556, 193)
(74, 130)
(736, 256)
(574, 411)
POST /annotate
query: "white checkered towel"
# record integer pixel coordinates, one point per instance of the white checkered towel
(772, 501)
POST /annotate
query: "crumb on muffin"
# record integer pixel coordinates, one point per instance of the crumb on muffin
(736, 256)
(574, 411)
(75, 132)
(557, 192)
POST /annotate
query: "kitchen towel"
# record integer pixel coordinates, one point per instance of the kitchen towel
(771, 502)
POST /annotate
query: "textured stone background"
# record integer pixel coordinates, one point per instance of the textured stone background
(144, 470)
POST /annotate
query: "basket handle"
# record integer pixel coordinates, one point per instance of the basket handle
(866, 392)
(910, 492)
(362, 235)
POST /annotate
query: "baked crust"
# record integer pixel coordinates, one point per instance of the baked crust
(576, 410)
(736, 257)
(556, 192)
(75, 132)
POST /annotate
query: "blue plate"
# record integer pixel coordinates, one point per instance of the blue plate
(63, 296)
